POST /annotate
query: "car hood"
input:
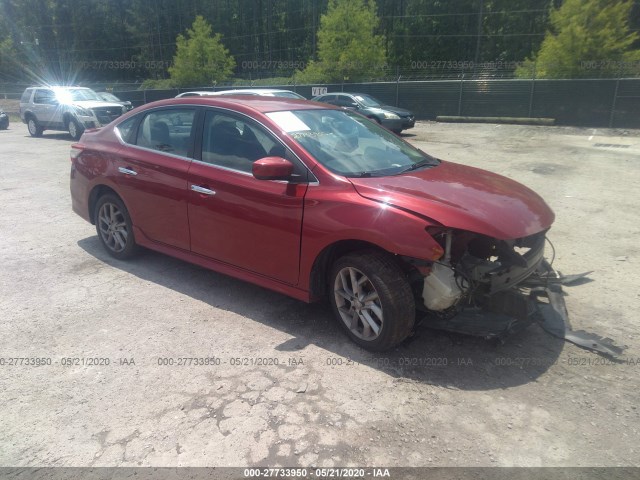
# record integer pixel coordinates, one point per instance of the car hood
(398, 111)
(95, 104)
(463, 198)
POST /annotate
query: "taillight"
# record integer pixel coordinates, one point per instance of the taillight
(76, 150)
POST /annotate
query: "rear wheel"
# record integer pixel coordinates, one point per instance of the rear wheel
(74, 128)
(35, 130)
(372, 300)
(114, 228)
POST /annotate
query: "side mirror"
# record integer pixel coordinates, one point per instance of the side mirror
(272, 168)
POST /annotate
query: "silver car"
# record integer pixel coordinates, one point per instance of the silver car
(71, 109)
(265, 92)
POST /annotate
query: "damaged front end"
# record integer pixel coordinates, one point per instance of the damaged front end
(491, 288)
(482, 273)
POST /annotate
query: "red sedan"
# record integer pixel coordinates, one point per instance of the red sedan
(310, 201)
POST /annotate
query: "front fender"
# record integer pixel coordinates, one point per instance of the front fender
(348, 216)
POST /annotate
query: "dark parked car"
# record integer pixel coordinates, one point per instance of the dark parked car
(311, 201)
(110, 97)
(394, 118)
(4, 120)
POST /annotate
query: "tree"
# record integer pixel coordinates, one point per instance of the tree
(348, 47)
(201, 59)
(10, 65)
(588, 38)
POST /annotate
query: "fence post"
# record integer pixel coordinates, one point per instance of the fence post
(533, 86)
(613, 103)
(397, 85)
(460, 96)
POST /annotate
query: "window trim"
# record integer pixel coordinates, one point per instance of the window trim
(140, 116)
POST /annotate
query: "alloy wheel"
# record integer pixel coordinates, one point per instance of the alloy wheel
(73, 129)
(113, 227)
(33, 128)
(358, 303)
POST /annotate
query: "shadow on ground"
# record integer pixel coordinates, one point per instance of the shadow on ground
(430, 356)
(53, 136)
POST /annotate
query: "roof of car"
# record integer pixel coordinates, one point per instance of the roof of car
(257, 103)
(60, 87)
(195, 93)
(238, 91)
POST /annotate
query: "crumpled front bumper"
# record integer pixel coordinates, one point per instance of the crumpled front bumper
(537, 299)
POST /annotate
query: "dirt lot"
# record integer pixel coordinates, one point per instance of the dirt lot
(534, 401)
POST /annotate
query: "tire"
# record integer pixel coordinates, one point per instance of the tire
(114, 227)
(384, 300)
(74, 129)
(35, 130)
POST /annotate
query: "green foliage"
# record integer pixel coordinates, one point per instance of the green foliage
(263, 82)
(10, 66)
(348, 47)
(588, 38)
(157, 84)
(201, 59)
(130, 40)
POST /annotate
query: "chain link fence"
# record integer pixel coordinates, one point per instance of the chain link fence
(432, 89)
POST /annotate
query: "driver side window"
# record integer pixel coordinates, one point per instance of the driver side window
(344, 101)
(232, 142)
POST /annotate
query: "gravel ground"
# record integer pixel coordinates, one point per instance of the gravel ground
(289, 388)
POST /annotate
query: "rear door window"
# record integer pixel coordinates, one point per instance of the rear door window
(169, 131)
(43, 96)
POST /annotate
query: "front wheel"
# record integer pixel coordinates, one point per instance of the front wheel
(372, 300)
(74, 129)
(114, 227)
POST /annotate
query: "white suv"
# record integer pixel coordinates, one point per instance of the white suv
(70, 109)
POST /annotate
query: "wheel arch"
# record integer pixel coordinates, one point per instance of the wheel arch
(96, 193)
(318, 281)
(67, 117)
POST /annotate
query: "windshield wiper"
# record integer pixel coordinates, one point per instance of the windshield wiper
(424, 163)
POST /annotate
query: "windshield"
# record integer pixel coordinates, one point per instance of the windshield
(109, 97)
(368, 101)
(350, 144)
(77, 94)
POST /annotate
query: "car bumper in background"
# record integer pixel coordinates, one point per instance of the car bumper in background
(392, 124)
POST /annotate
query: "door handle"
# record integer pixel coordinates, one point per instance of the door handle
(127, 171)
(204, 191)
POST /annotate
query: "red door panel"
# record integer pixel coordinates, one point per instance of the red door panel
(253, 224)
(156, 194)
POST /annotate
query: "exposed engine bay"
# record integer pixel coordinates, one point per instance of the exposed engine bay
(491, 288)
(475, 267)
